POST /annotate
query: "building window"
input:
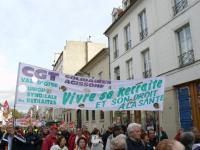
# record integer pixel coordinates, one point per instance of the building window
(101, 115)
(127, 36)
(147, 64)
(129, 66)
(117, 73)
(87, 115)
(185, 46)
(115, 45)
(100, 75)
(179, 5)
(93, 114)
(67, 118)
(143, 24)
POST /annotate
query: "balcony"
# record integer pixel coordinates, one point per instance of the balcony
(143, 34)
(147, 73)
(116, 53)
(128, 45)
(179, 6)
(186, 58)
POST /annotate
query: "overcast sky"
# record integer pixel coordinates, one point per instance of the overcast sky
(31, 31)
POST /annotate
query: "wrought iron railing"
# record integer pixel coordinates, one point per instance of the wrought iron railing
(186, 58)
(143, 34)
(147, 73)
(128, 45)
(116, 53)
(180, 6)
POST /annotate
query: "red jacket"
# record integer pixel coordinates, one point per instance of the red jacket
(48, 142)
(71, 141)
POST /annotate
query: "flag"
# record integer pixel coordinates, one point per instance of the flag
(6, 106)
(6, 109)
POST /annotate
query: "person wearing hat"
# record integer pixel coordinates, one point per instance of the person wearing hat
(51, 138)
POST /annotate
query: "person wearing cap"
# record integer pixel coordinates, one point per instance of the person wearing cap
(50, 139)
(13, 140)
(117, 130)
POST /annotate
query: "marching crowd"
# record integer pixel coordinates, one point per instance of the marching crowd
(131, 137)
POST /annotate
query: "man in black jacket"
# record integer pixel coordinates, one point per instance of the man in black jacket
(13, 140)
(134, 141)
(32, 139)
(106, 135)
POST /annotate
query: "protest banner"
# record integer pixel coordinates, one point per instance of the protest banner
(42, 87)
(25, 122)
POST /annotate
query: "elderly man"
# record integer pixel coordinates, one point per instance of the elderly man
(134, 141)
(13, 140)
(187, 139)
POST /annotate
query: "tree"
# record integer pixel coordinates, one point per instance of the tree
(16, 114)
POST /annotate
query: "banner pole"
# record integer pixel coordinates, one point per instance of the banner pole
(158, 125)
(15, 101)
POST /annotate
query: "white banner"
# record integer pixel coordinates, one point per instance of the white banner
(38, 86)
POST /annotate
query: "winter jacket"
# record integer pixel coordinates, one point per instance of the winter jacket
(18, 141)
(48, 142)
(71, 141)
(57, 147)
(31, 137)
(134, 145)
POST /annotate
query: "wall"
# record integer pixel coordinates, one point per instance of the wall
(94, 67)
(163, 45)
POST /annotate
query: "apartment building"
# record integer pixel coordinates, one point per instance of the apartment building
(98, 68)
(74, 56)
(150, 38)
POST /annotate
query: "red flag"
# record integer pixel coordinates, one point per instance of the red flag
(6, 106)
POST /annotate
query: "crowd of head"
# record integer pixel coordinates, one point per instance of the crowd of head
(117, 137)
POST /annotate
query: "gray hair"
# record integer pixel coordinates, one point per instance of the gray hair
(119, 142)
(187, 139)
(132, 126)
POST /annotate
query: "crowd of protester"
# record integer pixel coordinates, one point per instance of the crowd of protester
(117, 137)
